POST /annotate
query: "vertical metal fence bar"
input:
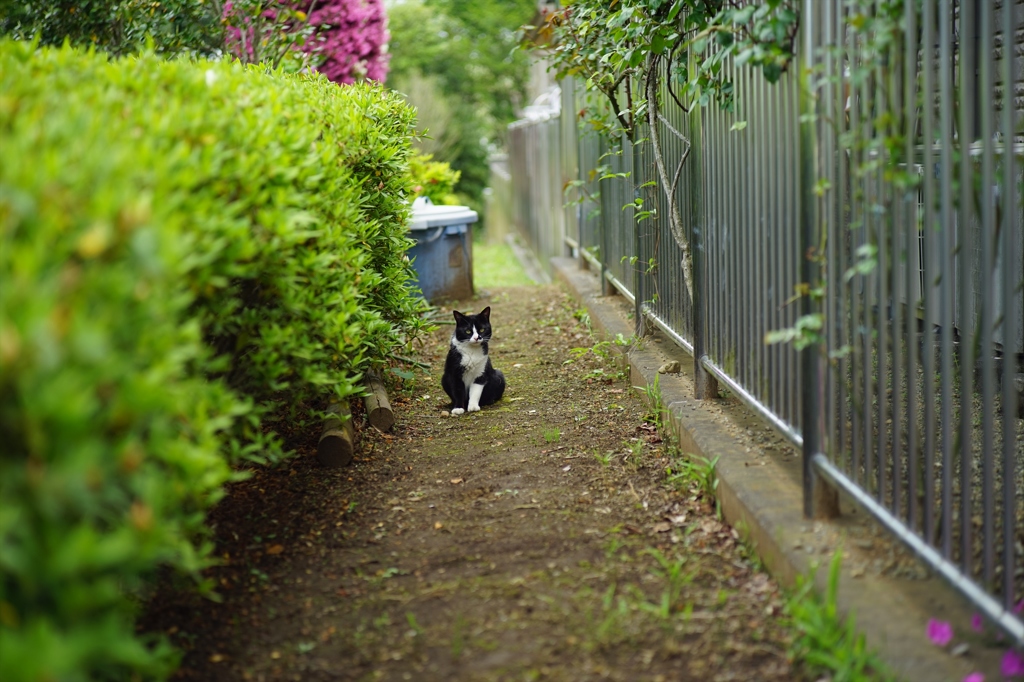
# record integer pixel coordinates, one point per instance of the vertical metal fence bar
(901, 259)
(930, 270)
(947, 266)
(965, 225)
(747, 230)
(775, 298)
(911, 337)
(879, 219)
(861, 318)
(809, 375)
(847, 414)
(790, 265)
(1010, 256)
(988, 233)
(731, 251)
(714, 222)
(895, 239)
(757, 135)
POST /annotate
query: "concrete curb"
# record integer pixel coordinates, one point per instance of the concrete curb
(761, 498)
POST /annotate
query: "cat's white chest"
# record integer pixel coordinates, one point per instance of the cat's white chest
(474, 361)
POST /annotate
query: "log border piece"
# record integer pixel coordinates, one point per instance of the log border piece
(378, 408)
(337, 442)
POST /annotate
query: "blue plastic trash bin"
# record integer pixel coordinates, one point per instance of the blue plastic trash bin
(443, 253)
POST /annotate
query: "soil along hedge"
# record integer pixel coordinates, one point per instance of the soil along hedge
(182, 246)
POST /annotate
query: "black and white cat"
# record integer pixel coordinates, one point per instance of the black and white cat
(469, 378)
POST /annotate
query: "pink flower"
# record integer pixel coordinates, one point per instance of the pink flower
(975, 677)
(1019, 606)
(976, 623)
(940, 632)
(1013, 664)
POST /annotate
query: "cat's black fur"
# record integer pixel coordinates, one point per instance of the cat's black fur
(468, 372)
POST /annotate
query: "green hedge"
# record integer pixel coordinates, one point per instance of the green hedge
(183, 247)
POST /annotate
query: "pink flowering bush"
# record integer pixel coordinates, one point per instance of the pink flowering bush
(351, 39)
(346, 40)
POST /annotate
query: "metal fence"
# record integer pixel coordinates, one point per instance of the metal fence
(910, 402)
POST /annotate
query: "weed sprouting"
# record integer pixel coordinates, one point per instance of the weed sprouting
(603, 458)
(635, 453)
(600, 350)
(414, 627)
(652, 391)
(696, 473)
(552, 435)
(671, 570)
(826, 643)
(612, 547)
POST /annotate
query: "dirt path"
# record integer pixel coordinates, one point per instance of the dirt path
(537, 539)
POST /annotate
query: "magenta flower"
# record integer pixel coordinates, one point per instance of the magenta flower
(975, 677)
(1019, 606)
(940, 632)
(976, 623)
(1013, 664)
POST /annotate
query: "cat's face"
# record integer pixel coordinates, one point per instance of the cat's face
(473, 328)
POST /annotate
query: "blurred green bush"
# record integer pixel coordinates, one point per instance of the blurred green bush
(434, 179)
(184, 246)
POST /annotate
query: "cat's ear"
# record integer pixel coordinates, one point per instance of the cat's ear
(458, 316)
(486, 313)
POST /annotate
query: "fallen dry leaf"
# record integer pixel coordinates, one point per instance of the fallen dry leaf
(662, 527)
(438, 525)
(456, 481)
(275, 549)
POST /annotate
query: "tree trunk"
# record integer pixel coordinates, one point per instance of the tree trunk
(668, 184)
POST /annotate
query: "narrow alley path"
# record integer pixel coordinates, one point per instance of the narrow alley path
(540, 538)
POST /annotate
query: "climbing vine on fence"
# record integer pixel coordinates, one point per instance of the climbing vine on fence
(625, 49)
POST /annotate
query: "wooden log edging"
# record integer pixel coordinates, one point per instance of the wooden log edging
(337, 443)
(378, 408)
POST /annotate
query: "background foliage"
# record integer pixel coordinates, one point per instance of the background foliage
(117, 26)
(184, 246)
(434, 179)
(344, 39)
(454, 59)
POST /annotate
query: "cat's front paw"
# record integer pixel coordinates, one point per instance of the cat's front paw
(457, 411)
(473, 408)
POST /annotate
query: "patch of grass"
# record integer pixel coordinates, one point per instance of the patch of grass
(494, 265)
(600, 349)
(603, 458)
(697, 473)
(652, 392)
(552, 435)
(671, 570)
(635, 453)
(825, 643)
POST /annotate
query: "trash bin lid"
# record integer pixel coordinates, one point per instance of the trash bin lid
(426, 214)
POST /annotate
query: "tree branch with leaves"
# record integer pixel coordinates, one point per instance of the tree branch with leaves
(627, 49)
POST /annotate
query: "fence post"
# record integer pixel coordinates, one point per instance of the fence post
(820, 498)
(639, 277)
(705, 385)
